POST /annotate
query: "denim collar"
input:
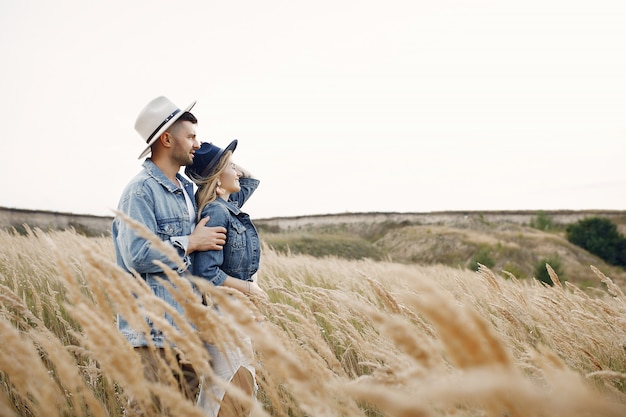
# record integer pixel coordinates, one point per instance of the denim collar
(156, 173)
(229, 205)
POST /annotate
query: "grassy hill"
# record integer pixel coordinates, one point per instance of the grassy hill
(503, 241)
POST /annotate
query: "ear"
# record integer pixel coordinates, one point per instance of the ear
(166, 139)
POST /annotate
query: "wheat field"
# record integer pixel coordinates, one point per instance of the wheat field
(335, 338)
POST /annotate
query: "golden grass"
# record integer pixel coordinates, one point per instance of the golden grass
(336, 338)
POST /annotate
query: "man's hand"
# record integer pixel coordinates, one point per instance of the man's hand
(206, 238)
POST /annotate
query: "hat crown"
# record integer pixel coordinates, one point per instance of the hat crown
(206, 159)
(153, 116)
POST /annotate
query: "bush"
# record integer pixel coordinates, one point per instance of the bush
(542, 222)
(541, 271)
(599, 236)
(514, 270)
(482, 256)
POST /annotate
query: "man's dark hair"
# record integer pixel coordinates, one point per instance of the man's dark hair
(188, 117)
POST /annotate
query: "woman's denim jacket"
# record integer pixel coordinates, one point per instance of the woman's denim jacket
(153, 200)
(242, 252)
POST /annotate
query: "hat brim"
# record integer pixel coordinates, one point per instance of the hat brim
(163, 128)
(231, 146)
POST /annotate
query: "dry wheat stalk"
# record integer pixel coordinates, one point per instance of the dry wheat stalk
(433, 341)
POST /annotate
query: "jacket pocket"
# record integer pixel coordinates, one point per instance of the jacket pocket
(167, 228)
(237, 236)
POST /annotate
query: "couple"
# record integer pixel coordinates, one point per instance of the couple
(213, 237)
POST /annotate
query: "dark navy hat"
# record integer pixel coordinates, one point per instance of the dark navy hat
(206, 158)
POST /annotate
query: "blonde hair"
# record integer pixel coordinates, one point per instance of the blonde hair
(207, 187)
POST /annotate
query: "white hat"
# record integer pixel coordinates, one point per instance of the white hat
(156, 118)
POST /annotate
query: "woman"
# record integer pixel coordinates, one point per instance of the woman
(223, 188)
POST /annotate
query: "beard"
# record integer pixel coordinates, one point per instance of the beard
(184, 158)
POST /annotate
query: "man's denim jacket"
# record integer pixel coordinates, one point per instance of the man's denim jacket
(242, 251)
(153, 200)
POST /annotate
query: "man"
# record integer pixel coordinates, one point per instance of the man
(163, 201)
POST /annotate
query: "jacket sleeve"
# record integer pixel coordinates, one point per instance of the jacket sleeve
(248, 187)
(207, 264)
(136, 252)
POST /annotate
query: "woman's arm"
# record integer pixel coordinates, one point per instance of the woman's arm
(206, 264)
(246, 287)
(248, 184)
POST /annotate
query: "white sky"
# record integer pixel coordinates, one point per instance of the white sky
(339, 106)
